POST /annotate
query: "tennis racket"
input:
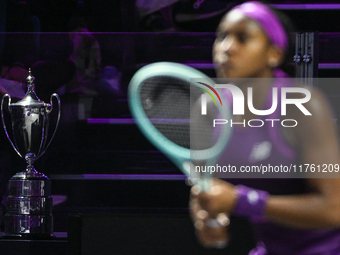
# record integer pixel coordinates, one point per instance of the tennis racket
(166, 101)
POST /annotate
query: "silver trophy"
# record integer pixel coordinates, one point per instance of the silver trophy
(29, 201)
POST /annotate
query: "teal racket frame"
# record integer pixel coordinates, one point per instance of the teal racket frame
(180, 156)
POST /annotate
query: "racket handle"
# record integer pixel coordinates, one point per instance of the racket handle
(205, 184)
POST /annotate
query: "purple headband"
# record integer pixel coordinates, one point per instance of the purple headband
(268, 21)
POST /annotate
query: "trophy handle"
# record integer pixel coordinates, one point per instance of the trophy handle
(56, 126)
(3, 120)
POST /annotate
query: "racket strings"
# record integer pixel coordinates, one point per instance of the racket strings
(166, 102)
(169, 102)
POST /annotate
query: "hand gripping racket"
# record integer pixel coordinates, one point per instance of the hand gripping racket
(169, 105)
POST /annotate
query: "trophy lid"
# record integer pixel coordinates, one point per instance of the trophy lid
(30, 99)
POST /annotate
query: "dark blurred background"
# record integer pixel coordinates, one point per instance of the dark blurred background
(87, 52)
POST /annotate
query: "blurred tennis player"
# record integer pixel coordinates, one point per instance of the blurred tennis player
(290, 216)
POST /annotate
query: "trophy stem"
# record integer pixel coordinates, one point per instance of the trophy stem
(30, 158)
(30, 170)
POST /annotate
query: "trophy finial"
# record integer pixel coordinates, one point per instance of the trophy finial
(30, 78)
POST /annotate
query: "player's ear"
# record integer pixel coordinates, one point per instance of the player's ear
(275, 56)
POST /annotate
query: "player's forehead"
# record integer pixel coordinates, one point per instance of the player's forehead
(236, 21)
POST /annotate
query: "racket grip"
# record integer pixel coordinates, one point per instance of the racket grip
(205, 184)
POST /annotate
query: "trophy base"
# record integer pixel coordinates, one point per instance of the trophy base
(29, 207)
(36, 226)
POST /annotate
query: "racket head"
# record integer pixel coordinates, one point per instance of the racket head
(181, 154)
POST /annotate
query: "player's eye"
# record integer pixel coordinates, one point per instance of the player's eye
(242, 37)
(221, 35)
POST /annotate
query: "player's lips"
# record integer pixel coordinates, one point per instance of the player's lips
(226, 66)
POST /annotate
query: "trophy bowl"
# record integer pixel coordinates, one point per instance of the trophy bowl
(29, 201)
